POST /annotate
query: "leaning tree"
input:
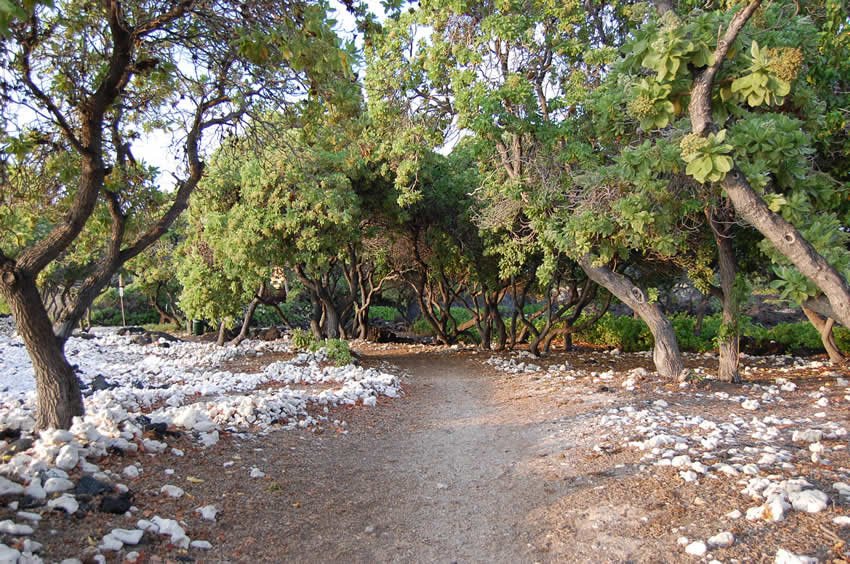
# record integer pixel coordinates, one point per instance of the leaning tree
(86, 80)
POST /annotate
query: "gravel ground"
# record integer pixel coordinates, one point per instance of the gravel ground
(470, 465)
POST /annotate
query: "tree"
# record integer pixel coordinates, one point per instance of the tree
(511, 74)
(314, 217)
(87, 78)
(743, 95)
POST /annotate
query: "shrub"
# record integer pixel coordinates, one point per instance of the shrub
(337, 351)
(631, 334)
(303, 340)
(624, 332)
(163, 327)
(460, 315)
(385, 313)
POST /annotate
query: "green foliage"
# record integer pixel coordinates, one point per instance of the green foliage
(460, 315)
(651, 105)
(629, 334)
(707, 157)
(623, 332)
(164, 327)
(385, 313)
(769, 76)
(337, 351)
(303, 340)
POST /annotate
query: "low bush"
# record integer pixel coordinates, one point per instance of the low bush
(337, 351)
(164, 327)
(631, 334)
(303, 340)
(625, 333)
(385, 313)
(459, 314)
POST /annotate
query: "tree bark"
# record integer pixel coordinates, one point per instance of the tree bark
(824, 325)
(666, 354)
(58, 397)
(246, 321)
(729, 338)
(700, 315)
(316, 317)
(499, 325)
(788, 240)
(222, 334)
(332, 325)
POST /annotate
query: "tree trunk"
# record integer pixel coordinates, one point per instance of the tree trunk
(316, 317)
(729, 338)
(246, 322)
(501, 331)
(700, 315)
(332, 326)
(824, 326)
(361, 322)
(222, 333)
(666, 354)
(547, 342)
(790, 243)
(164, 316)
(57, 389)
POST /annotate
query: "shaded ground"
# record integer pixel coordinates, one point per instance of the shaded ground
(471, 465)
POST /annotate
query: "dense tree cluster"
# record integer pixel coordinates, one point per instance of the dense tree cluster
(528, 162)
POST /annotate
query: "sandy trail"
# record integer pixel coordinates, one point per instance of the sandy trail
(443, 475)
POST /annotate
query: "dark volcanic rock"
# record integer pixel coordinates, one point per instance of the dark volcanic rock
(90, 486)
(100, 383)
(117, 504)
(18, 446)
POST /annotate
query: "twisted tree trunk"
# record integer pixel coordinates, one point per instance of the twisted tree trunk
(58, 397)
(666, 355)
(824, 325)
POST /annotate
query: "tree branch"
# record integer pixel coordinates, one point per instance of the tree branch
(700, 104)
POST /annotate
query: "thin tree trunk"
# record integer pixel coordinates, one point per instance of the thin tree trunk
(499, 324)
(281, 314)
(666, 354)
(485, 327)
(824, 325)
(246, 321)
(316, 313)
(58, 397)
(729, 338)
(222, 333)
(700, 314)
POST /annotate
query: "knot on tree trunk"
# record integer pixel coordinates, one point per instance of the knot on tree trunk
(9, 278)
(638, 295)
(790, 238)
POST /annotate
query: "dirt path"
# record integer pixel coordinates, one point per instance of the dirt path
(448, 473)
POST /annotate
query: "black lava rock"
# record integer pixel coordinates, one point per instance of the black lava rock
(91, 486)
(117, 504)
(100, 383)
